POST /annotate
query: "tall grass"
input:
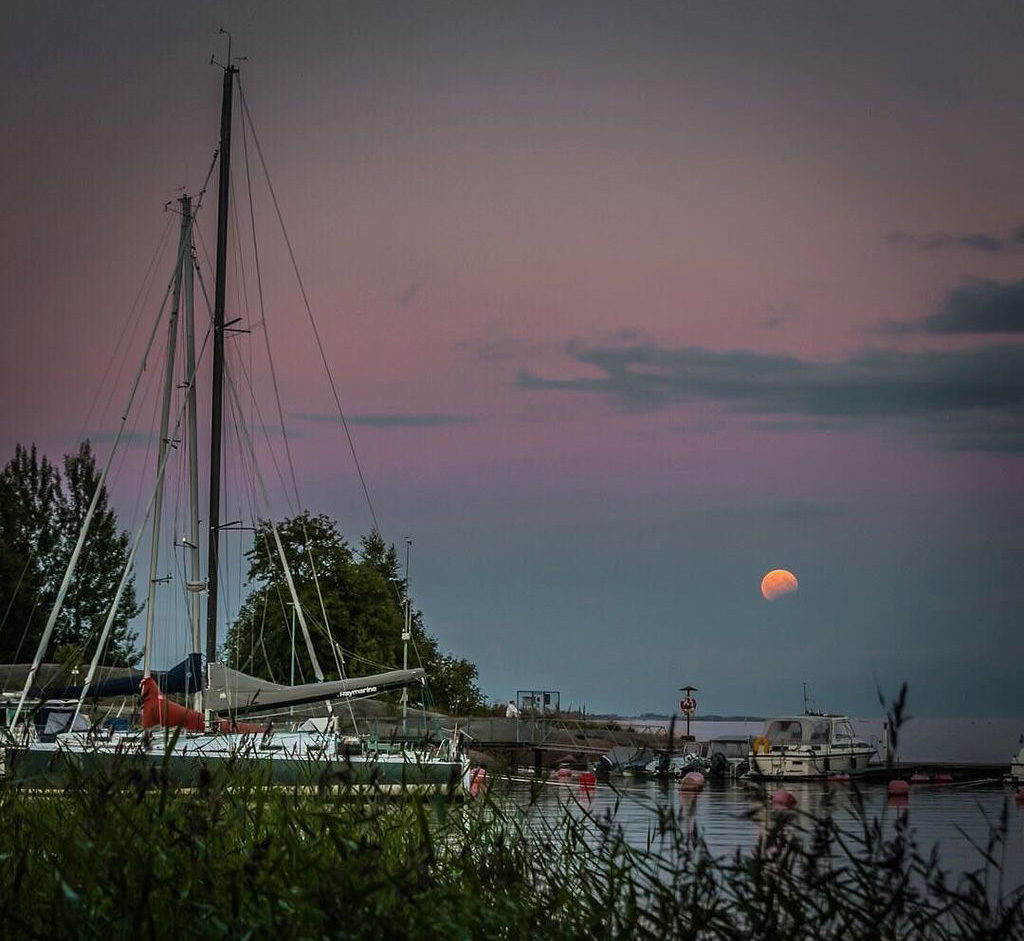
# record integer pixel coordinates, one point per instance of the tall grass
(132, 857)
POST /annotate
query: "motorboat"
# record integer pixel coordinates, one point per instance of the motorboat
(728, 755)
(678, 764)
(809, 746)
(1017, 766)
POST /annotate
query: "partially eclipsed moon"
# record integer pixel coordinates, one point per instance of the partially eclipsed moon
(778, 582)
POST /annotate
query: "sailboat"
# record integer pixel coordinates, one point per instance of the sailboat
(187, 742)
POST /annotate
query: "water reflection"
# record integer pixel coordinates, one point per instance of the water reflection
(730, 816)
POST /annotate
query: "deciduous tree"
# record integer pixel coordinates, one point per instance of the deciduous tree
(360, 607)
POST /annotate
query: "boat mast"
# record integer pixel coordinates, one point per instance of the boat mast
(194, 583)
(213, 555)
(406, 637)
(165, 415)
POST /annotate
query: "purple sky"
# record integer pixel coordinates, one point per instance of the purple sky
(628, 303)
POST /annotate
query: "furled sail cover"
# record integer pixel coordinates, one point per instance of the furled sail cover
(186, 677)
(159, 711)
(234, 693)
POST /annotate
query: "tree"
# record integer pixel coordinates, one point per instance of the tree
(363, 597)
(40, 519)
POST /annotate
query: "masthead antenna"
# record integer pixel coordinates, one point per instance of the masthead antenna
(231, 59)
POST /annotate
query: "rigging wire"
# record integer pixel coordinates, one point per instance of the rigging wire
(130, 564)
(133, 318)
(70, 570)
(229, 382)
(247, 117)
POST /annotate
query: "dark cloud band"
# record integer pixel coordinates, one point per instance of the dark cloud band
(391, 419)
(982, 389)
(977, 241)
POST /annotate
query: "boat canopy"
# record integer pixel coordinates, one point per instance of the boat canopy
(798, 730)
(186, 677)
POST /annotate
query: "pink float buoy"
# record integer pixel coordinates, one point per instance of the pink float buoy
(898, 788)
(943, 779)
(784, 798)
(564, 773)
(840, 778)
(920, 778)
(1020, 795)
(477, 779)
(692, 781)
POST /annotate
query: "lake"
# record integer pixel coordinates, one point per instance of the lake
(950, 817)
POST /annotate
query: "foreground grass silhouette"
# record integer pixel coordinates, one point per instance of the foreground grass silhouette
(130, 856)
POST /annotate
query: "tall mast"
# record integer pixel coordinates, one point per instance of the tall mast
(194, 581)
(406, 636)
(213, 555)
(165, 415)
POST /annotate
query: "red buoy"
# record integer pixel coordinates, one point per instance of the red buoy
(588, 778)
(943, 779)
(840, 778)
(1020, 795)
(477, 779)
(692, 781)
(898, 788)
(784, 798)
(920, 778)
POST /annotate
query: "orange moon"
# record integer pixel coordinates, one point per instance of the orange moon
(778, 582)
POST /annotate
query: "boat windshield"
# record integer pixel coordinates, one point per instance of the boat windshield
(730, 747)
(800, 731)
(843, 732)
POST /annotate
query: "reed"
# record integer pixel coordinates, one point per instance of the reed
(130, 856)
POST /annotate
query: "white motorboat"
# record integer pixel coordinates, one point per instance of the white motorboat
(809, 746)
(1017, 766)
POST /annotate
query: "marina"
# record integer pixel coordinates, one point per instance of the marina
(512, 471)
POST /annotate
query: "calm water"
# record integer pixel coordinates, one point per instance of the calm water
(949, 817)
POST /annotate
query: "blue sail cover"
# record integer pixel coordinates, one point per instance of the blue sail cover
(186, 677)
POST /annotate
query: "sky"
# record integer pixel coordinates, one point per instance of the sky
(627, 304)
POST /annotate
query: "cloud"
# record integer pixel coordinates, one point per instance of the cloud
(981, 390)
(391, 419)
(979, 305)
(977, 241)
(129, 439)
(777, 316)
(408, 295)
(494, 344)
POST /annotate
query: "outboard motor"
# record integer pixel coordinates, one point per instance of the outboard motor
(719, 765)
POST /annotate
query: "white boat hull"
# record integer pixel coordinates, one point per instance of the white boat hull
(1017, 768)
(799, 762)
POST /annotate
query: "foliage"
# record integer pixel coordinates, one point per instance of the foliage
(41, 514)
(360, 607)
(130, 857)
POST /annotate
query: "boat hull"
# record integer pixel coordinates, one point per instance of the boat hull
(795, 764)
(56, 767)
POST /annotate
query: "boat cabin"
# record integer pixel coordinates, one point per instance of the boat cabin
(793, 731)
